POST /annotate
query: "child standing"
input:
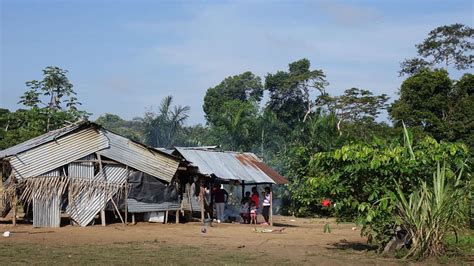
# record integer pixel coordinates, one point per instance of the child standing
(245, 208)
(253, 213)
(255, 199)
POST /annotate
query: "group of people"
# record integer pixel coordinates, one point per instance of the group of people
(250, 204)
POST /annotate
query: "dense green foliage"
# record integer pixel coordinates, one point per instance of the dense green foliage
(361, 178)
(290, 92)
(243, 88)
(129, 129)
(437, 105)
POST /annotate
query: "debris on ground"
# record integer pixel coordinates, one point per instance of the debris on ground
(279, 230)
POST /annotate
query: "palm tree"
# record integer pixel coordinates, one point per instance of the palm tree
(161, 128)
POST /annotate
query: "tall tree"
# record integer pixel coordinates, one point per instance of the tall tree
(161, 128)
(447, 45)
(359, 108)
(460, 124)
(441, 107)
(245, 87)
(51, 103)
(290, 92)
(54, 96)
(236, 125)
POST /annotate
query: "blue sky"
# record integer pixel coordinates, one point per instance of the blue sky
(125, 56)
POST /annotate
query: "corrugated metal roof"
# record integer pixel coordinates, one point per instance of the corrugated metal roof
(245, 167)
(53, 154)
(141, 157)
(45, 138)
(167, 151)
(62, 146)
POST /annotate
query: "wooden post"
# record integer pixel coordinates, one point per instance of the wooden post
(202, 192)
(243, 189)
(15, 199)
(102, 217)
(126, 196)
(14, 203)
(211, 206)
(102, 212)
(166, 217)
(118, 211)
(133, 218)
(271, 205)
(177, 216)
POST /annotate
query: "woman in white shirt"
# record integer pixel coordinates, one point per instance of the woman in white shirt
(266, 205)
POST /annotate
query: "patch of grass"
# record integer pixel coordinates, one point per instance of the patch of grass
(464, 243)
(120, 254)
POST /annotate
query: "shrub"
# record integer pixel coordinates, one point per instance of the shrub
(430, 212)
(360, 179)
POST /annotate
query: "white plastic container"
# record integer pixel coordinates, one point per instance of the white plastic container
(154, 217)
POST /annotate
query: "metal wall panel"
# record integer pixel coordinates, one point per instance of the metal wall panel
(47, 213)
(82, 169)
(115, 174)
(135, 206)
(83, 208)
(54, 154)
(140, 157)
(191, 203)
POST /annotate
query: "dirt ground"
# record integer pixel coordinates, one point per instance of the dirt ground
(301, 242)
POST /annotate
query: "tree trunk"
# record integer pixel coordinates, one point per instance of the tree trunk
(339, 127)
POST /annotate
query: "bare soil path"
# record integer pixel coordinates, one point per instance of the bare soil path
(301, 243)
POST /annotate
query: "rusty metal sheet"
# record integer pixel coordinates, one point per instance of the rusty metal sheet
(245, 167)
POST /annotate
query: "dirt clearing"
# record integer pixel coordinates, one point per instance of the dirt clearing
(302, 242)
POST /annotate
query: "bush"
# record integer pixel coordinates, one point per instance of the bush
(430, 212)
(361, 179)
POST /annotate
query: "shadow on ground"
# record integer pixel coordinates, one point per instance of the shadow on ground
(357, 246)
(284, 225)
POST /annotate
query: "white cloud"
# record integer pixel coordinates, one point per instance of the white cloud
(348, 14)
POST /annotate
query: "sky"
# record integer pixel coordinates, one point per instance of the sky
(124, 57)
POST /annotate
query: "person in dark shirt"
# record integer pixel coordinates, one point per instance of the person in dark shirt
(220, 199)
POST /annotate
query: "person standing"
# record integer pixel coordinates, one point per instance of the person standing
(255, 198)
(266, 205)
(220, 199)
(245, 208)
